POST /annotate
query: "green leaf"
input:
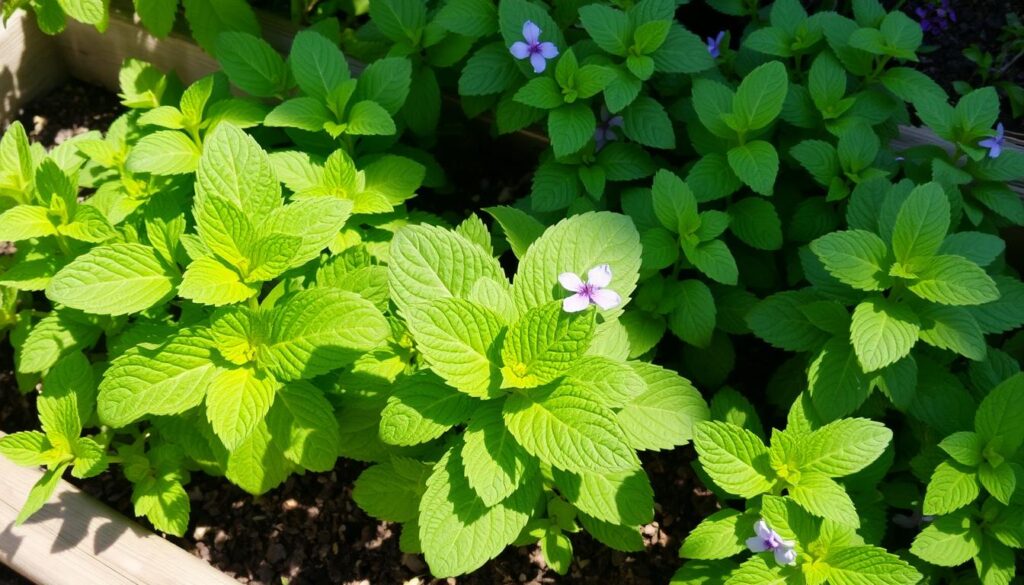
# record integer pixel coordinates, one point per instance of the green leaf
(520, 229)
(428, 263)
(999, 481)
(608, 27)
(168, 379)
(40, 493)
(303, 424)
(458, 532)
(304, 113)
(471, 18)
(719, 536)
(625, 498)
(779, 321)
(952, 486)
(682, 52)
(544, 343)
(318, 330)
(67, 401)
(756, 163)
(844, 447)
(952, 328)
(402, 21)
(964, 447)
(858, 258)
(208, 281)
(55, 335)
(489, 71)
(921, 224)
(28, 448)
(693, 318)
(25, 222)
(167, 152)
(541, 92)
(882, 332)
(258, 465)
(495, 464)
(317, 64)
(825, 498)
(252, 64)
(460, 341)
(234, 167)
(570, 128)
(116, 279)
(836, 382)
(207, 19)
(948, 541)
(674, 203)
(569, 430)
(760, 95)
(757, 571)
(392, 490)
(645, 121)
(164, 502)
(578, 244)
(756, 223)
(236, 401)
(953, 280)
(997, 420)
(734, 458)
(664, 415)
(861, 565)
(421, 409)
(819, 158)
(714, 259)
(367, 118)
(157, 15)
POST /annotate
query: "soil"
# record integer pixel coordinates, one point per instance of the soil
(72, 109)
(978, 22)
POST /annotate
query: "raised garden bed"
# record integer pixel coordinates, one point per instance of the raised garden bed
(310, 529)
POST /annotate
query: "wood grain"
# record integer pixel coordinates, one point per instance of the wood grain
(75, 540)
(30, 64)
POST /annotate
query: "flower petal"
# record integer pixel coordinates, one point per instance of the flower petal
(763, 531)
(999, 131)
(570, 281)
(606, 298)
(616, 121)
(600, 275)
(519, 50)
(575, 303)
(756, 544)
(995, 150)
(538, 62)
(785, 556)
(549, 50)
(531, 32)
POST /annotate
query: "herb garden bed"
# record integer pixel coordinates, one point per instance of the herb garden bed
(311, 528)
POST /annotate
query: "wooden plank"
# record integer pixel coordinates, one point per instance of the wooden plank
(75, 540)
(96, 57)
(30, 64)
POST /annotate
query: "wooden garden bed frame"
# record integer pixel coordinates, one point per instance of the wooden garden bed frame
(76, 540)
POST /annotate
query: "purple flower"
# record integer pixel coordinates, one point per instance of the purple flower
(769, 540)
(592, 291)
(995, 143)
(604, 132)
(715, 45)
(935, 18)
(537, 51)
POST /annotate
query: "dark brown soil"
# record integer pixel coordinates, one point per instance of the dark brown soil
(978, 22)
(72, 109)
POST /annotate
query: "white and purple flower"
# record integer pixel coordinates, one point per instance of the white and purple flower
(591, 292)
(605, 131)
(536, 51)
(715, 45)
(769, 540)
(994, 144)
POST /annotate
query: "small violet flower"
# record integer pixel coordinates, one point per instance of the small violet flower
(995, 143)
(604, 132)
(592, 291)
(715, 45)
(935, 18)
(769, 540)
(536, 51)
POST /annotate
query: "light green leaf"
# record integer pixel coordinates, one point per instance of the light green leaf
(734, 458)
(864, 565)
(543, 344)
(167, 152)
(258, 465)
(568, 430)
(665, 414)
(303, 424)
(25, 222)
(882, 332)
(921, 224)
(624, 498)
(952, 486)
(756, 163)
(236, 401)
(422, 409)
(116, 279)
(953, 280)
(824, 498)
(948, 541)
(858, 258)
(495, 464)
(392, 490)
(460, 341)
